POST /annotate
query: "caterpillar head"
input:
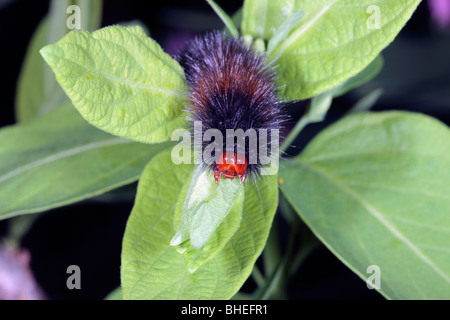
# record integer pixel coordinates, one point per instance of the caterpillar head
(230, 165)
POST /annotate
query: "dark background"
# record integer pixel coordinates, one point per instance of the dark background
(416, 77)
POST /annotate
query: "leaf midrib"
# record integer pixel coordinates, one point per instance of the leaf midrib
(290, 40)
(112, 78)
(378, 215)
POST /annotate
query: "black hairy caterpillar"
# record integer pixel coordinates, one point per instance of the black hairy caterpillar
(230, 87)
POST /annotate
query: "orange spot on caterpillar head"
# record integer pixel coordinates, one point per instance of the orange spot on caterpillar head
(230, 165)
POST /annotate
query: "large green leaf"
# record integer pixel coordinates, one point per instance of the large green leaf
(37, 90)
(367, 74)
(152, 269)
(59, 159)
(374, 187)
(333, 41)
(120, 81)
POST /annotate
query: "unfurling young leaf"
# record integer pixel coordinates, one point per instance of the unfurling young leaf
(225, 229)
(205, 206)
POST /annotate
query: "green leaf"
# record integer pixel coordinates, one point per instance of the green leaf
(284, 30)
(237, 18)
(37, 90)
(152, 269)
(321, 103)
(206, 204)
(334, 41)
(121, 81)
(261, 19)
(374, 187)
(217, 236)
(116, 294)
(361, 78)
(32, 98)
(59, 159)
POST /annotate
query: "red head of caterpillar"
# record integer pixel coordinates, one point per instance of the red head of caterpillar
(230, 165)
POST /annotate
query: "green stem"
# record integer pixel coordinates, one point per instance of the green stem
(318, 108)
(278, 279)
(257, 276)
(293, 134)
(18, 227)
(366, 102)
(224, 17)
(271, 253)
(308, 245)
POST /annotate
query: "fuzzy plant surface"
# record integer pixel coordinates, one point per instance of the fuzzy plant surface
(373, 187)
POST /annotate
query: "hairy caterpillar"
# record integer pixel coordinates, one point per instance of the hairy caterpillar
(231, 87)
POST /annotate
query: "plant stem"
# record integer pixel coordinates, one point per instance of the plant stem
(18, 227)
(366, 102)
(309, 243)
(318, 108)
(257, 276)
(224, 17)
(277, 280)
(271, 253)
(294, 133)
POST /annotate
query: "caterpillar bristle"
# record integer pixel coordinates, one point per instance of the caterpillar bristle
(231, 86)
